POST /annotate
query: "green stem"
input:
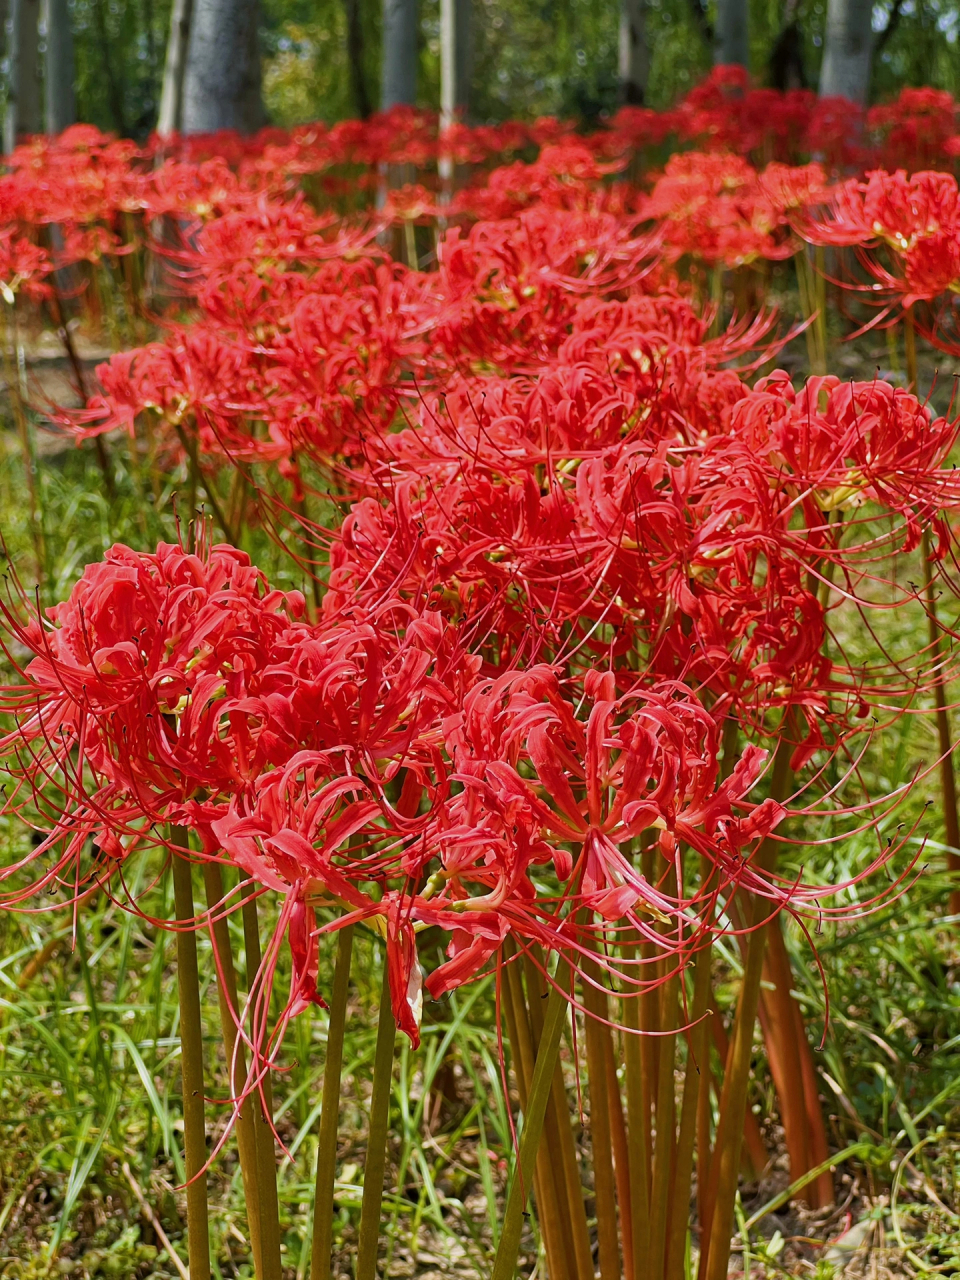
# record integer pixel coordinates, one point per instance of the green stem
(553, 1223)
(664, 1153)
(548, 1055)
(189, 444)
(812, 305)
(263, 1102)
(376, 1162)
(733, 1105)
(15, 385)
(716, 300)
(191, 1064)
(725, 1165)
(910, 350)
(66, 337)
(601, 1128)
(236, 1065)
(697, 1063)
(637, 1129)
(321, 1264)
(557, 1132)
(948, 782)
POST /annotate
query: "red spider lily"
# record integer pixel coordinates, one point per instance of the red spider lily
(319, 366)
(172, 688)
(916, 129)
(23, 268)
(145, 672)
(724, 113)
(598, 782)
(914, 218)
(846, 443)
(470, 864)
(512, 286)
(718, 209)
(565, 176)
(169, 683)
(578, 550)
(102, 191)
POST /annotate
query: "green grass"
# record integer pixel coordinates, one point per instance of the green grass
(89, 1080)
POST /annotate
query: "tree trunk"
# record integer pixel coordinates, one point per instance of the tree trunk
(787, 70)
(221, 85)
(399, 85)
(634, 54)
(114, 84)
(455, 60)
(23, 94)
(731, 45)
(355, 60)
(60, 68)
(464, 56)
(170, 117)
(848, 50)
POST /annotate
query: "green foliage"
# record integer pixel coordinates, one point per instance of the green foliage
(306, 73)
(120, 48)
(679, 53)
(531, 57)
(545, 57)
(107, 1257)
(90, 1078)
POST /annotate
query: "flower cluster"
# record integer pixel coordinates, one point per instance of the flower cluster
(579, 548)
(84, 199)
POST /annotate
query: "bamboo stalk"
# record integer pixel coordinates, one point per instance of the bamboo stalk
(376, 1162)
(236, 1065)
(601, 1135)
(191, 1063)
(548, 1055)
(321, 1264)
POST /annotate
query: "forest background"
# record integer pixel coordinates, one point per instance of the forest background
(527, 58)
